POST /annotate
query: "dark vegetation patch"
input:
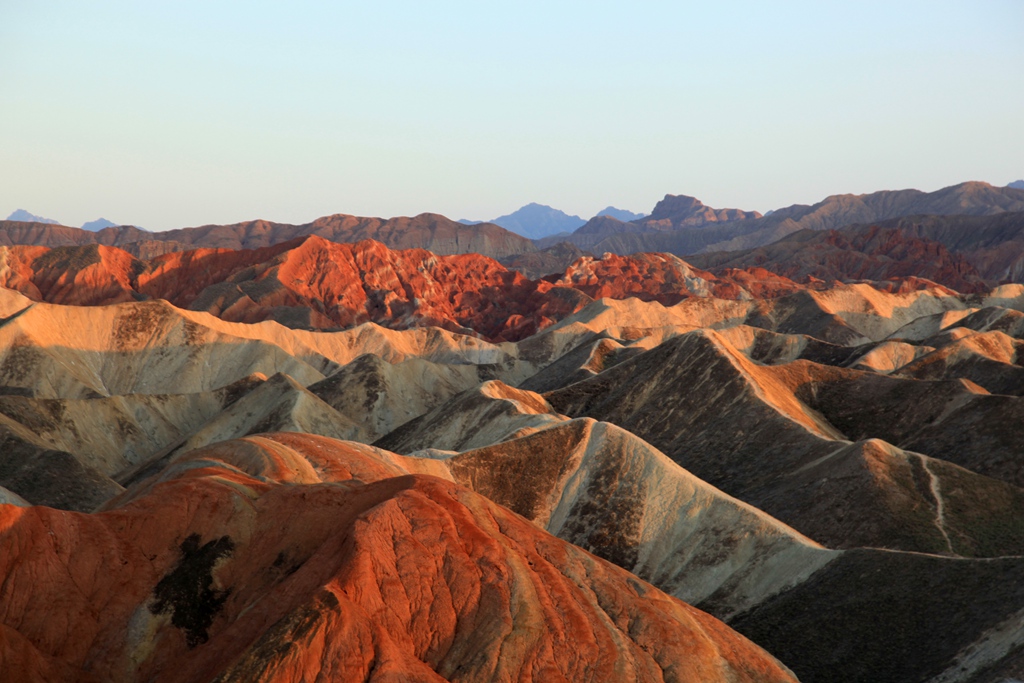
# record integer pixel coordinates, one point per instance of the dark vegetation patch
(187, 593)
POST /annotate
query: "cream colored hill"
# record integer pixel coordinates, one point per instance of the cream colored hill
(114, 433)
(381, 396)
(482, 416)
(876, 314)
(605, 490)
(845, 315)
(991, 360)
(927, 326)
(279, 404)
(890, 356)
(51, 351)
(12, 302)
(148, 347)
(995, 319)
(587, 360)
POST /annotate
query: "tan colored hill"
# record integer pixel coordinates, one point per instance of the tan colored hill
(603, 489)
(382, 396)
(153, 347)
(991, 360)
(490, 413)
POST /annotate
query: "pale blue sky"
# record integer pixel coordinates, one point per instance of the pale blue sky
(168, 114)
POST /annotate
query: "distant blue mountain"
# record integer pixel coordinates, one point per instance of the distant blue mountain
(466, 221)
(1017, 185)
(99, 224)
(537, 220)
(621, 214)
(25, 217)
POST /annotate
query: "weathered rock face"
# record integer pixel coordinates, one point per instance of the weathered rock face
(292, 557)
(667, 279)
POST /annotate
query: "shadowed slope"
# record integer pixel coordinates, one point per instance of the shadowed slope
(778, 438)
(477, 417)
(382, 396)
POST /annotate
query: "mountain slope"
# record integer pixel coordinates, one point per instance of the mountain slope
(301, 557)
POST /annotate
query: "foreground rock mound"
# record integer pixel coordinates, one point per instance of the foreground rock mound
(302, 558)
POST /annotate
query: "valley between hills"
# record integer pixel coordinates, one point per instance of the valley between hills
(419, 450)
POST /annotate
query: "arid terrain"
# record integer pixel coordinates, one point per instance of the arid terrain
(417, 450)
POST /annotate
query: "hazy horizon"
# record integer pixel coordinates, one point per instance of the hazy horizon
(180, 114)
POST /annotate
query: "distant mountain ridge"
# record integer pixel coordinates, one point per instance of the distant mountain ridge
(425, 231)
(683, 225)
(1017, 185)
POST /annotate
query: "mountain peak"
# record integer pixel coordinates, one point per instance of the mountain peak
(620, 214)
(1017, 185)
(98, 224)
(24, 216)
(681, 209)
(538, 220)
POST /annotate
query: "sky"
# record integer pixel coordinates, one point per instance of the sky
(173, 114)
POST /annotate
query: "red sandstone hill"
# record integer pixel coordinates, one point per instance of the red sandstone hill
(425, 231)
(308, 282)
(314, 283)
(289, 557)
(667, 279)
